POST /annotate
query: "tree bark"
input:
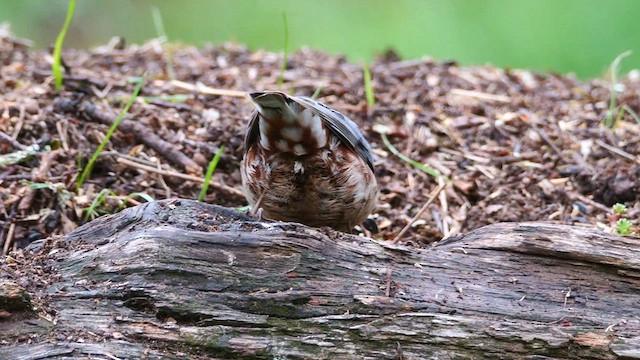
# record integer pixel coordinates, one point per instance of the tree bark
(177, 278)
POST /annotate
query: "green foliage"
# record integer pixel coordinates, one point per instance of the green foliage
(99, 200)
(623, 226)
(87, 169)
(317, 92)
(162, 35)
(613, 101)
(244, 208)
(134, 195)
(440, 29)
(210, 170)
(368, 86)
(56, 67)
(285, 56)
(425, 168)
(99, 204)
(59, 189)
(620, 209)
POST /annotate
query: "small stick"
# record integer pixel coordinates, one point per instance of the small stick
(204, 89)
(9, 239)
(547, 140)
(12, 141)
(62, 132)
(215, 184)
(142, 133)
(617, 151)
(481, 95)
(444, 204)
(591, 202)
(432, 197)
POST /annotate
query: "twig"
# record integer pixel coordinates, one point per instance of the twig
(215, 184)
(617, 151)
(9, 239)
(432, 197)
(481, 95)
(95, 81)
(444, 205)
(547, 140)
(163, 183)
(141, 132)
(591, 202)
(61, 127)
(204, 89)
(12, 141)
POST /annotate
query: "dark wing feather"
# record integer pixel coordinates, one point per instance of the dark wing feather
(341, 126)
(253, 131)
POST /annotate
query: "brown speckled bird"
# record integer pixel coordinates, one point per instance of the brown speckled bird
(307, 163)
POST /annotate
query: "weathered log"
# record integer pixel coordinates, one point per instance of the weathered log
(179, 277)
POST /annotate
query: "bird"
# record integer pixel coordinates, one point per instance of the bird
(307, 163)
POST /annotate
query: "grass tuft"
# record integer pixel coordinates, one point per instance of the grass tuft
(613, 101)
(368, 86)
(92, 209)
(87, 169)
(210, 170)
(285, 57)
(56, 67)
(99, 204)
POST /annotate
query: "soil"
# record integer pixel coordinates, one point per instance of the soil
(514, 145)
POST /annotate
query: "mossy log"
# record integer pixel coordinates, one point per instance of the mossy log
(183, 279)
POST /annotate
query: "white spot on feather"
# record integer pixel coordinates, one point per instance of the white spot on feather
(282, 145)
(298, 149)
(292, 133)
(263, 126)
(334, 143)
(298, 168)
(314, 122)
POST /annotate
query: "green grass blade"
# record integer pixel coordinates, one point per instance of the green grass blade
(633, 114)
(159, 25)
(368, 86)
(56, 67)
(613, 101)
(285, 57)
(427, 169)
(144, 196)
(133, 195)
(317, 92)
(87, 169)
(210, 170)
(98, 200)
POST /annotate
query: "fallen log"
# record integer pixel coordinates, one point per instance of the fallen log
(178, 278)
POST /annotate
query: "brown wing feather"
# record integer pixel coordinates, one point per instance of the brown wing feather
(341, 126)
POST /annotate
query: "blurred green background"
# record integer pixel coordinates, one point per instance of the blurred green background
(579, 36)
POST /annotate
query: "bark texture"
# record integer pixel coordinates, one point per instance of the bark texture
(179, 278)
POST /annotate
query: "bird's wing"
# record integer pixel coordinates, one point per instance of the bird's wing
(253, 131)
(341, 126)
